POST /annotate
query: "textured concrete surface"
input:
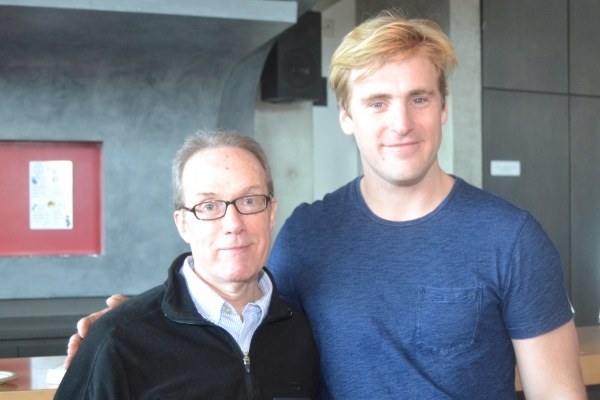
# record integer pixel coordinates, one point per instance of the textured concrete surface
(139, 83)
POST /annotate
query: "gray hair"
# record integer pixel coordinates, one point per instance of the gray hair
(210, 140)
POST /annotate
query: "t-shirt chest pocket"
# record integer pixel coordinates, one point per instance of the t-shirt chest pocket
(447, 319)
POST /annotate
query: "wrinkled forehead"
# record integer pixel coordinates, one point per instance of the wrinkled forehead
(224, 170)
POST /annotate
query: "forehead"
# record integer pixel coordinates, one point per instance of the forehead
(409, 73)
(223, 170)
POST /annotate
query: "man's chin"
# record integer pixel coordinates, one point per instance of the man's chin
(242, 274)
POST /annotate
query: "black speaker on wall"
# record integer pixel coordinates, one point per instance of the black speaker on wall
(292, 71)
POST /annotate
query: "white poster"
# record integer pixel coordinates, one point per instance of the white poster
(50, 195)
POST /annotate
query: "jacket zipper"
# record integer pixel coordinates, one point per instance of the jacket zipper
(246, 356)
(248, 377)
(247, 362)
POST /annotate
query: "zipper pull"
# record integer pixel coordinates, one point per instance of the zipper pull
(247, 362)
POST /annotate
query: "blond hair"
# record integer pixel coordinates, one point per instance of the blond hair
(385, 38)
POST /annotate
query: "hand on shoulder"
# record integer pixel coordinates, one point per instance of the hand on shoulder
(84, 324)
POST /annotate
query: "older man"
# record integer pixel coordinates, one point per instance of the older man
(217, 327)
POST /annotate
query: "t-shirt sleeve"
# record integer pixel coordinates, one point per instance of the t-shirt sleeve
(281, 263)
(535, 297)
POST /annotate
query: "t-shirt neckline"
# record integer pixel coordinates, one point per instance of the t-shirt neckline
(362, 205)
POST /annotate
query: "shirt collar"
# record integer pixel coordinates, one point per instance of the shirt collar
(209, 304)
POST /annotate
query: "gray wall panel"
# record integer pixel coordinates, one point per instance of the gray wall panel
(525, 45)
(585, 202)
(531, 128)
(436, 10)
(584, 46)
(9, 350)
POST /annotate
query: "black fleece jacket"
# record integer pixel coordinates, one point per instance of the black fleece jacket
(157, 346)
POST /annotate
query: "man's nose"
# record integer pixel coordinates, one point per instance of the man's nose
(232, 221)
(400, 119)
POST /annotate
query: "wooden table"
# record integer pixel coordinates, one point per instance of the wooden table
(589, 353)
(30, 383)
(589, 356)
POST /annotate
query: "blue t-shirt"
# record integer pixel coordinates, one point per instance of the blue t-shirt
(425, 308)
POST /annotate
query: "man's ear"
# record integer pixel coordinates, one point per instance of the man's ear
(444, 112)
(273, 212)
(346, 121)
(181, 224)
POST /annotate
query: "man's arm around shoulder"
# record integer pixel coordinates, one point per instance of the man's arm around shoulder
(84, 325)
(549, 365)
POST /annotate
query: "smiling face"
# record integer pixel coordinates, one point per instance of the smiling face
(396, 116)
(232, 249)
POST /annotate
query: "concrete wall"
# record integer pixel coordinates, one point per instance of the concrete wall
(336, 160)
(465, 91)
(309, 154)
(285, 132)
(139, 84)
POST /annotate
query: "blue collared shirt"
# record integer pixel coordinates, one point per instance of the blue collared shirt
(215, 309)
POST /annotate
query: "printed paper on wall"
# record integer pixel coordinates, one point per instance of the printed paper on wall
(51, 194)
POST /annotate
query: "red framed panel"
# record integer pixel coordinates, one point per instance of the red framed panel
(16, 237)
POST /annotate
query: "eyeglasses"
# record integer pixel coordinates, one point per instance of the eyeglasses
(215, 209)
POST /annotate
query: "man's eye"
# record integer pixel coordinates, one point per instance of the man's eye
(249, 200)
(207, 207)
(419, 101)
(377, 104)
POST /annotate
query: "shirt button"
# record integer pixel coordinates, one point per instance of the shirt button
(228, 310)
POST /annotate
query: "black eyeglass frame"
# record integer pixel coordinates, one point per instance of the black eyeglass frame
(227, 203)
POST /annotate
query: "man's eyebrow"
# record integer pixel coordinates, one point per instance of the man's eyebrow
(205, 194)
(419, 92)
(376, 96)
(386, 96)
(247, 189)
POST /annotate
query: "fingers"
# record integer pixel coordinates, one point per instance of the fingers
(115, 300)
(72, 348)
(84, 324)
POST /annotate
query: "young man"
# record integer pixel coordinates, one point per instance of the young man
(217, 327)
(416, 284)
